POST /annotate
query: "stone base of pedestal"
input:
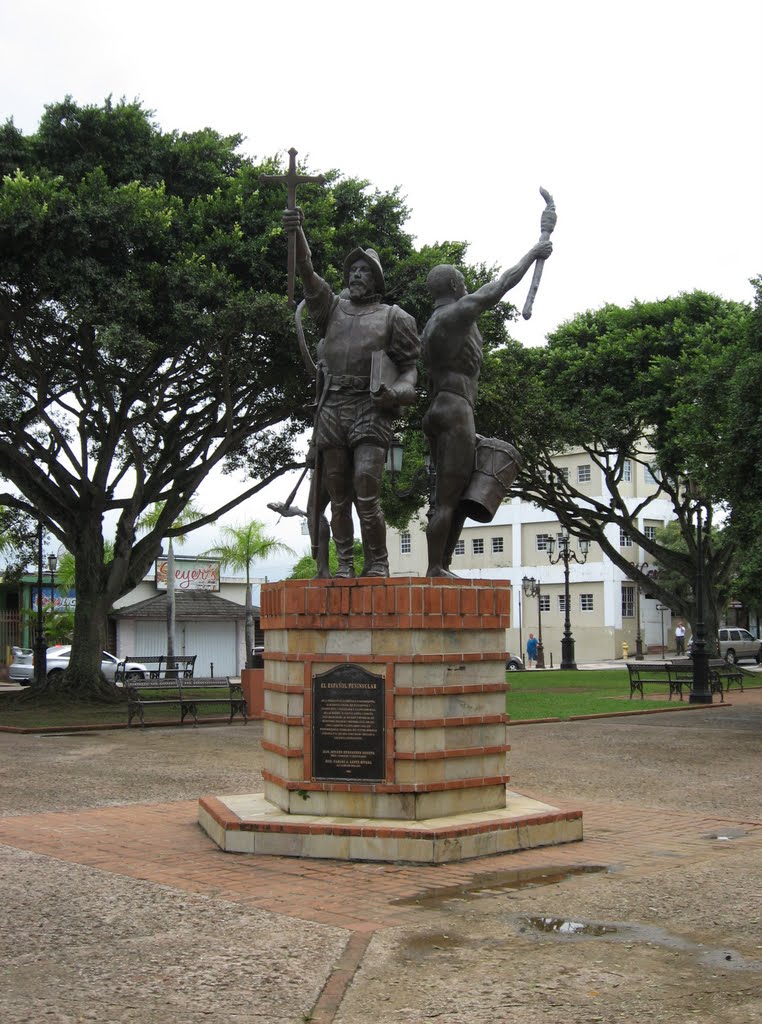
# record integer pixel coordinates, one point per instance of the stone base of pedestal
(251, 824)
(385, 728)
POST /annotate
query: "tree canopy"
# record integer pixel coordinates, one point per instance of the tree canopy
(145, 337)
(644, 387)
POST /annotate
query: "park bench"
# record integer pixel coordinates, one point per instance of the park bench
(725, 673)
(654, 673)
(721, 674)
(183, 666)
(186, 694)
(679, 673)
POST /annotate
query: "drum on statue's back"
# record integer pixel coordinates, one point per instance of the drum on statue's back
(496, 464)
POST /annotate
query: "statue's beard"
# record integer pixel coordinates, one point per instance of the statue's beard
(358, 290)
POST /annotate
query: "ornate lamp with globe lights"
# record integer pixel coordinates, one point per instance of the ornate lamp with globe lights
(566, 555)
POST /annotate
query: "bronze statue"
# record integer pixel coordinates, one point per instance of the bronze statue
(366, 371)
(452, 352)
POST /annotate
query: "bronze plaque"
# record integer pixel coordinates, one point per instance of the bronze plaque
(348, 725)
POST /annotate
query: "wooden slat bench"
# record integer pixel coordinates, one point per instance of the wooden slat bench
(158, 665)
(188, 695)
(725, 674)
(679, 673)
(653, 673)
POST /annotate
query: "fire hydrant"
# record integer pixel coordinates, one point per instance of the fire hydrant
(625, 650)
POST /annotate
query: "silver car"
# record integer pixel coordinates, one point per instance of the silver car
(21, 669)
(735, 645)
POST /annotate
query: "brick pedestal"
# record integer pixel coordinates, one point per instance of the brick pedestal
(439, 646)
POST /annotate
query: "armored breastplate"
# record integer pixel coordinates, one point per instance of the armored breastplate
(354, 333)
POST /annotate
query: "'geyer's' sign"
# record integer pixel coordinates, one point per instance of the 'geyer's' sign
(190, 574)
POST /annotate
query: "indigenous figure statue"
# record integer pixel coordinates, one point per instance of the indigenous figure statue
(366, 370)
(452, 353)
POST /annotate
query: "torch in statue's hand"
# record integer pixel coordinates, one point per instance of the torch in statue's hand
(547, 224)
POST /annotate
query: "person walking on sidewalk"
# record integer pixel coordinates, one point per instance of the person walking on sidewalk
(531, 651)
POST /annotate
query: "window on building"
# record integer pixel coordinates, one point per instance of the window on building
(406, 544)
(477, 545)
(460, 547)
(583, 473)
(544, 602)
(650, 532)
(627, 471)
(542, 541)
(628, 601)
(625, 541)
(651, 474)
(305, 528)
(586, 602)
(497, 545)
(562, 603)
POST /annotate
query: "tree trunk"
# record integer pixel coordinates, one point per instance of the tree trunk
(83, 679)
(711, 621)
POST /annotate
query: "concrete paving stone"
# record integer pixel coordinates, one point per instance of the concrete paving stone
(116, 907)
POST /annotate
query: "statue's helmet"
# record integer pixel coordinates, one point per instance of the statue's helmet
(372, 259)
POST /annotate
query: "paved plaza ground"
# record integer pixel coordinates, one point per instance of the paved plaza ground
(117, 907)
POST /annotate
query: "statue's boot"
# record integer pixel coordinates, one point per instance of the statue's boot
(345, 549)
(376, 556)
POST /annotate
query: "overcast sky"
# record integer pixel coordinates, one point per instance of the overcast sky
(642, 119)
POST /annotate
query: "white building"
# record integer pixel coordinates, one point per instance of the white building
(603, 602)
(209, 617)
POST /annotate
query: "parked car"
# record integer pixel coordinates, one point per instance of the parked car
(736, 645)
(514, 664)
(21, 669)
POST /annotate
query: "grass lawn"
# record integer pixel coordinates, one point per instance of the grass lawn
(553, 694)
(532, 694)
(25, 714)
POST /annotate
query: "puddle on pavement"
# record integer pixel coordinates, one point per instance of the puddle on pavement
(567, 929)
(496, 883)
(727, 834)
(560, 926)
(431, 941)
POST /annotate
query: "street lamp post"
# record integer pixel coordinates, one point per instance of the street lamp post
(425, 474)
(566, 555)
(40, 650)
(531, 588)
(700, 692)
(641, 567)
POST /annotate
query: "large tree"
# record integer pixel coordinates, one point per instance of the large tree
(145, 339)
(636, 389)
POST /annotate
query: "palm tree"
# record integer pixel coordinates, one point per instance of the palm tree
(148, 521)
(245, 543)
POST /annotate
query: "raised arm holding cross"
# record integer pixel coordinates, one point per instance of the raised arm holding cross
(292, 179)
